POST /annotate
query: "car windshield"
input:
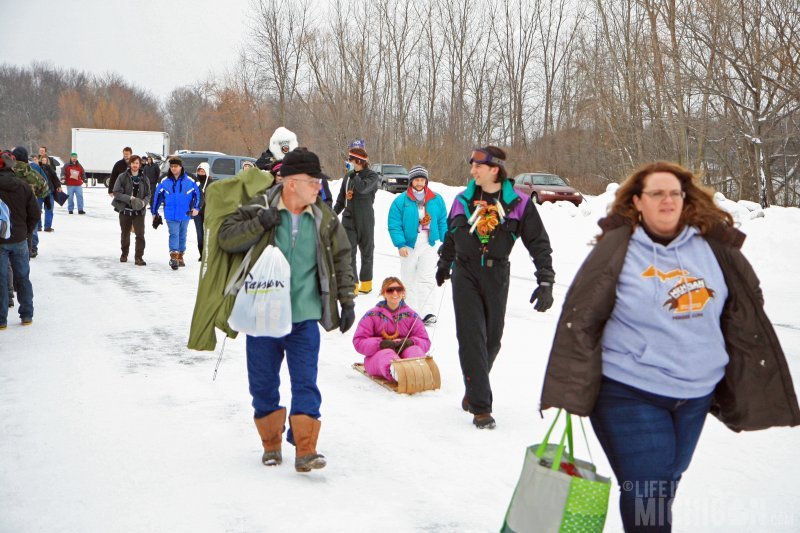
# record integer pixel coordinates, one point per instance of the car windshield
(394, 169)
(547, 179)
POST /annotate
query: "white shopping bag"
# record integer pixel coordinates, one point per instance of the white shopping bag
(263, 306)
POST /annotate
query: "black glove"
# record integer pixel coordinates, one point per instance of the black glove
(269, 218)
(441, 275)
(387, 343)
(403, 344)
(347, 318)
(157, 221)
(543, 295)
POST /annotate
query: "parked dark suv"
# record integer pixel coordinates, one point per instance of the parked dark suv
(222, 165)
(393, 178)
(544, 187)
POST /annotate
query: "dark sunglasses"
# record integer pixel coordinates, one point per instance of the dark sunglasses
(482, 157)
(395, 289)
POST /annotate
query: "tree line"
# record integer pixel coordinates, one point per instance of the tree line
(584, 89)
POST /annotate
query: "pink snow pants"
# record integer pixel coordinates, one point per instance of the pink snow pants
(378, 363)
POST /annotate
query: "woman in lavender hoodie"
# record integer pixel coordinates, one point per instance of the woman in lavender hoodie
(383, 333)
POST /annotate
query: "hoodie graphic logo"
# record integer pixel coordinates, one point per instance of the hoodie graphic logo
(689, 294)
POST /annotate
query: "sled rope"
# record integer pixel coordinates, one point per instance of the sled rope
(219, 359)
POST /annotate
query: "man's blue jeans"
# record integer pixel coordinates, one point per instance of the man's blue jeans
(17, 254)
(649, 441)
(74, 191)
(264, 360)
(48, 213)
(177, 234)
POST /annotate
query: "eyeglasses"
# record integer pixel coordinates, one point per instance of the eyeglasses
(313, 181)
(394, 289)
(482, 157)
(660, 195)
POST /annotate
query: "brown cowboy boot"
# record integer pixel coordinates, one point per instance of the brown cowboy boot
(270, 428)
(305, 431)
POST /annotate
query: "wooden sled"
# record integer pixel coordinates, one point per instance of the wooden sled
(416, 374)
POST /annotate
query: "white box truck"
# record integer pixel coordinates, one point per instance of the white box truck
(98, 150)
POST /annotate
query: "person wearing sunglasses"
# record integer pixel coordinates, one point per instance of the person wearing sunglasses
(354, 203)
(664, 323)
(485, 221)
(390, 330)
(292, 217)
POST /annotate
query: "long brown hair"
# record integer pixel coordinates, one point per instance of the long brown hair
(699, 209)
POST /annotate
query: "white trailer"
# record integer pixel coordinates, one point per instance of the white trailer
(98, 149)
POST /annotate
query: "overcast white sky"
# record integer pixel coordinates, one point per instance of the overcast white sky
(160, 44)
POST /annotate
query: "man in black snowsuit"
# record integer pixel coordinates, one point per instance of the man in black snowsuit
(152, 172)
(484, 222)
(355, 200)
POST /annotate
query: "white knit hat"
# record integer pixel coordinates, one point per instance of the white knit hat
(280, 140)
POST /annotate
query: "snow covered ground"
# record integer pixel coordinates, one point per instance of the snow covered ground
(108, 422)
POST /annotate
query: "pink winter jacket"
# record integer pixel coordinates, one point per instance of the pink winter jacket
(380, 318)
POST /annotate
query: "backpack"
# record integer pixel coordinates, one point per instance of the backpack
(212, 306)
(5, 221)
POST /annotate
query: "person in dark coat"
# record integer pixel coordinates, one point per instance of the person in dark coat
(131, 196)
(354, 202)
(55, 188)
(664, 323)
(485, 221)
(14, 251)
(118, 168)
(204, 179)
(152, 172)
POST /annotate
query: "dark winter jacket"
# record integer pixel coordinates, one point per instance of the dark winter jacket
(124, 193)
(22, 206)
(756, 391)
(363, 185)
(243, 230)
(179, 196)
(52, 178)
(521, 221)
(68, 179)
(118, 168)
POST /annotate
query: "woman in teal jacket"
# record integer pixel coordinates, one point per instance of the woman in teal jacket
(417, 221)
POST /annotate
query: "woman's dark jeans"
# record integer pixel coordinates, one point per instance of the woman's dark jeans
(649, 441)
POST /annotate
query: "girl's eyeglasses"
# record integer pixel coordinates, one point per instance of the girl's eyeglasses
(394, 289)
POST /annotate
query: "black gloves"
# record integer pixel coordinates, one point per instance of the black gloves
(157, 221)
(543, 295)
(387, 343)
(441, 275)
(347, 318)
(269, 218)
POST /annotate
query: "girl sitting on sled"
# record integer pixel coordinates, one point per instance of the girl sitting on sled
(390, 330)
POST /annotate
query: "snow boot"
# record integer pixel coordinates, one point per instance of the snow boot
(123, 258)
(173, 260)
(465, 403)
(305, 431)
(180, 260)
(365, 287)
(270, 429)
(484, 421)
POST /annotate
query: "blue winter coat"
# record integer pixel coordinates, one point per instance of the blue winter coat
(179, 197)
(404, 219)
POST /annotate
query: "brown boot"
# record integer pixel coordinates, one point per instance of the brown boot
(173, 260)
(180, 260)
(305, 431)
(270, 428)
